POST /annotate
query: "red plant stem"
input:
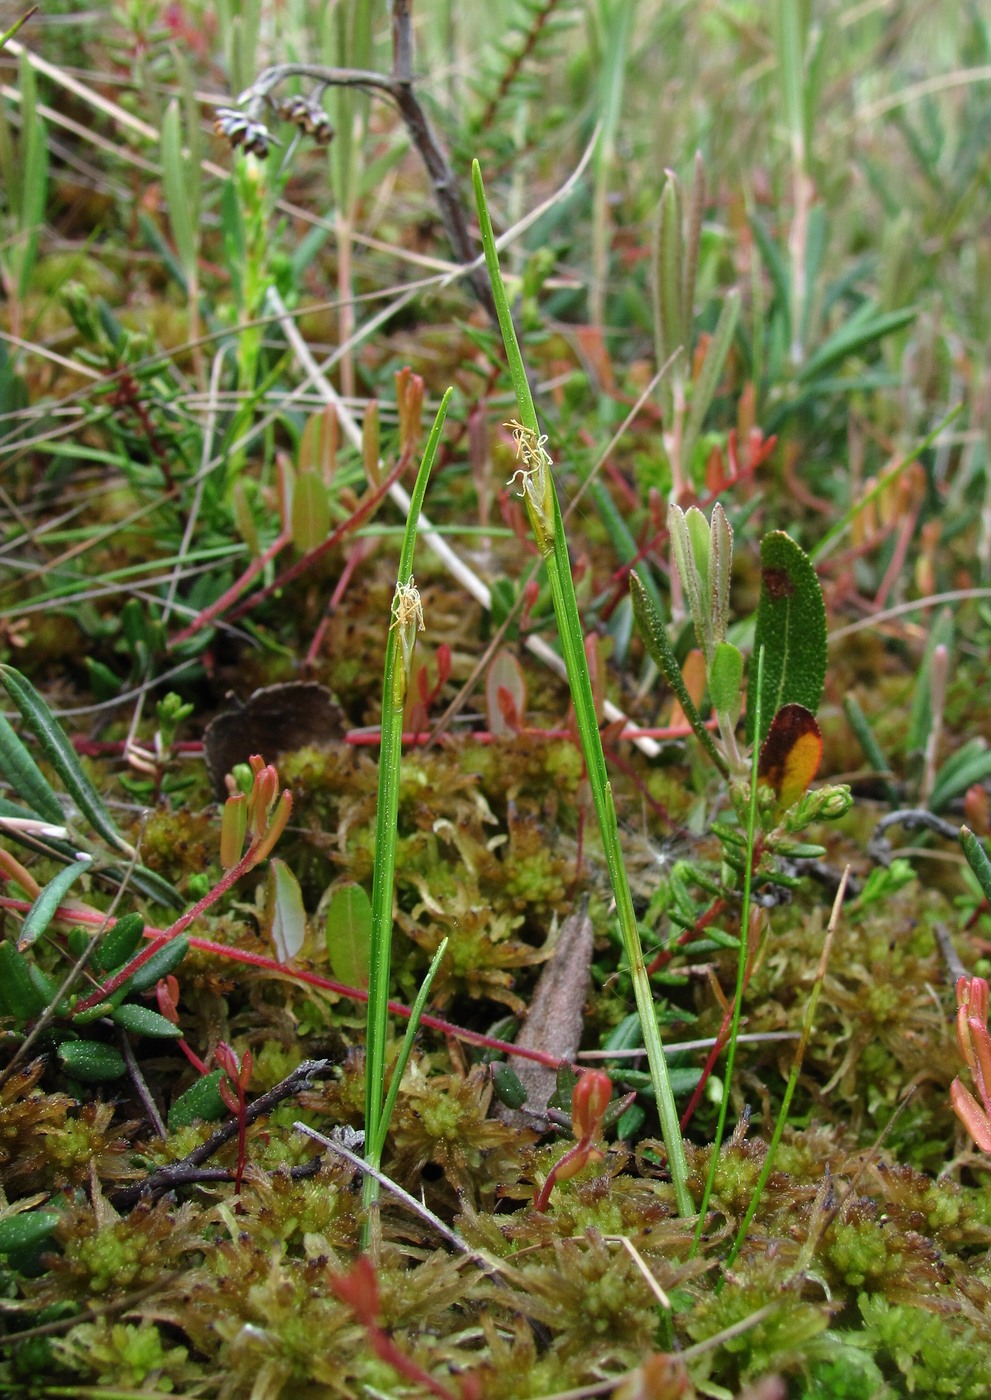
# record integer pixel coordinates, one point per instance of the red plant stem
(221, 604)
(713, 912)
(356, 555)
(575, 1157)
(192, 1057)
(722, 1036)
(364, 508)
(160, 938)
(310, 979)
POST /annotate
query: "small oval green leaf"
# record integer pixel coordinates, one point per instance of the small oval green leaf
(91, 1062)
(19, 997)
(284, 910)
(117, 945)
(28, 1228)
(507, 1085)
(726, 679)
(310, 512)
(202, 1100)
(160, 964)
(348, 930)
(141, 1020)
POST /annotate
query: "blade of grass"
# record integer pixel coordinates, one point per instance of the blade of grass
(545, 516)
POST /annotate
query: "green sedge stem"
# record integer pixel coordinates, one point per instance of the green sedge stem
(544, 511)
(398, 657)
(796, 1068)
(741, 967)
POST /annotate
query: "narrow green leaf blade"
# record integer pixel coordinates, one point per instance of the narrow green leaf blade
(180, 189)
(863, 328)
(61, 755)
(42, 911)
(977, 859)
(791, 627)
(655, 639)
(704, 389)
(25, 777)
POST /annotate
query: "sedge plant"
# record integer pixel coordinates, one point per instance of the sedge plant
(544, 512)
(407, 620)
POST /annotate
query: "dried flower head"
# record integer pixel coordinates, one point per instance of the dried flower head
(240, 129)
(309, 116)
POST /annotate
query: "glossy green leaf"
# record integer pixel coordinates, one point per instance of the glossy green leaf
(19, 997)
(91, 1061)
(117, 945)
(142, 1020)
(507, 1085)
(61, 755)
(791, 627)
(160, 964)
(27, 1228)
(348, 929)
(42, 911)
(201, 1101)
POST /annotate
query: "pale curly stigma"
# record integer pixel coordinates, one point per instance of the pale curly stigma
(407, 616)
(534, 479)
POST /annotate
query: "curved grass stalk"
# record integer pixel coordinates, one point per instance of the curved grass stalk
(544, 510)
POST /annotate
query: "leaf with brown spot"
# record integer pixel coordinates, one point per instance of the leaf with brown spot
(791, 754)
(791, 627)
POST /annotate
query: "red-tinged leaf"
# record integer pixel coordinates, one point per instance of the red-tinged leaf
(358, 1287)
(693, 674)
(971, 1115)
(505, 695)
(791, 753)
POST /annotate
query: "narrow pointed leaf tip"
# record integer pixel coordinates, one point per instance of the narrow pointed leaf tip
(791, 627)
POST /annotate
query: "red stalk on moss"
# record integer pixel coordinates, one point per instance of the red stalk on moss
(975, 1048)
(589, 1101)
(266, 819)
(358, 1288)
(232, 1091)
(167, 996)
